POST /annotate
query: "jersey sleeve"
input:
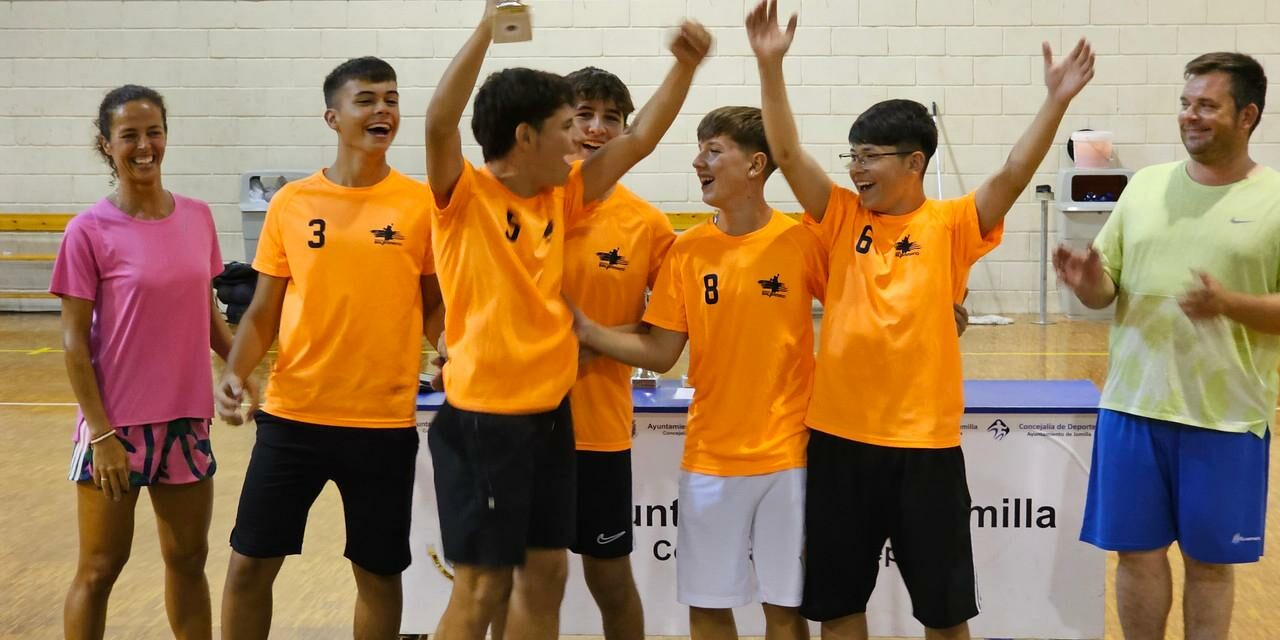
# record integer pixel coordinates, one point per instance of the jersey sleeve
(816, 266)
(839, 204)
(462, 192)
(663, 236)
(75, 271)
(1109, 242)
(969, 243)
(574, 207)
(666, 303)
(215, 251)
(271, 257)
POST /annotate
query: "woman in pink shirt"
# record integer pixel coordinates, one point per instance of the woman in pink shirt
(138, 320)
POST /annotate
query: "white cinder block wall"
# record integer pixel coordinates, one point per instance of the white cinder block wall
(243, 83)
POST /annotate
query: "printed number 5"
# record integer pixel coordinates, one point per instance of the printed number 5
(318, 230)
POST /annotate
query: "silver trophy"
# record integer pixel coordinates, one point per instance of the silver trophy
(512, 22)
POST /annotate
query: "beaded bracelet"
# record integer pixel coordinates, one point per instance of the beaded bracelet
(102, 438)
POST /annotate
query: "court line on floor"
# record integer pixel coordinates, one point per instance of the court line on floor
(38, 404)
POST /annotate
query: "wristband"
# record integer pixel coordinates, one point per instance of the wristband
(102, 438)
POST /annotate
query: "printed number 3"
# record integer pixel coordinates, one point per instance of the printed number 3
(864, 241)
(318, 230)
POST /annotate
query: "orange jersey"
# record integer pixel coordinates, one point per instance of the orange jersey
(510, 336)
(888, 369)
(612, 255)
(746, 303)
(351, 325)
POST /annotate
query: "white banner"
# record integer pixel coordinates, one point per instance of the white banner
(1027, 476)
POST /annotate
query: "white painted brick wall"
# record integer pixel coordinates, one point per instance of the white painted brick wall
(243, 83)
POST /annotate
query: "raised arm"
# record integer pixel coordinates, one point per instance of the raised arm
(444, 112)
(606, 166)
(1063, 80)
(806, 177)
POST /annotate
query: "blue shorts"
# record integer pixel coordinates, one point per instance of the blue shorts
(1154, 482)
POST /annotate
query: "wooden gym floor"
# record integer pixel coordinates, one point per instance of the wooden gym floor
(314, 594)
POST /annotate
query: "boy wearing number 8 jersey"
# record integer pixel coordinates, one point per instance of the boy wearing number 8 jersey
(740, 291)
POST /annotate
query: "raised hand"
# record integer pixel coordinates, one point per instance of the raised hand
(768, 41)
(1066, 78)
(1079, 270)
(692, 44)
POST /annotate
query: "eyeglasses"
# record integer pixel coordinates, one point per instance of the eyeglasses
(851, 159)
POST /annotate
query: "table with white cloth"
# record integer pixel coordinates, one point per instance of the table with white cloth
(1027, 446)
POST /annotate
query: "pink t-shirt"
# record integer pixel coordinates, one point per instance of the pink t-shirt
(150, 284)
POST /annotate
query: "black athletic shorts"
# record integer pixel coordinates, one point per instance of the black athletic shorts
(860, 495)
(604, 504)
(503, 483)
(291, 462)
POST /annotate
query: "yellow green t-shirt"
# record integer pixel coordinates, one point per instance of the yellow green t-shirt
(1215, 374)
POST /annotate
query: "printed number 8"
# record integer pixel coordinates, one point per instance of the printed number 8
(711, 281)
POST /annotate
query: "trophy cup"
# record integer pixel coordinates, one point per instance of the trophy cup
(512, 22)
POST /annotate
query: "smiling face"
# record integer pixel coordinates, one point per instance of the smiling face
(595, 123)
(366, 115)
(1210, 125)
(888, 179)
(724, 170)
(136, 142)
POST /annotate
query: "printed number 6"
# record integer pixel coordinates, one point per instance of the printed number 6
(864, 241)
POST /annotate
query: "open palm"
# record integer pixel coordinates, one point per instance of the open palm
(1066, 78)
(1078, 269)
(767, 40)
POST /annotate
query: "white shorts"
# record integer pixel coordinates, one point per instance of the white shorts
(740, 540)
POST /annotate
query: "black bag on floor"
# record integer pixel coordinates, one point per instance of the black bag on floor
(235, 286)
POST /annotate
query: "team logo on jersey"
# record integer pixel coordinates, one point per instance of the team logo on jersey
(387, 235)
(612, 260)
(773, 287)
(906, 248)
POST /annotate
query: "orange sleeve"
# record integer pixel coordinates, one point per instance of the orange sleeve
(816, 267)
(462, 190)
(969, 243)
(666, 303)
(837, 209)
(270, 258)
(663, 235)
(428, 258)
(574, 207)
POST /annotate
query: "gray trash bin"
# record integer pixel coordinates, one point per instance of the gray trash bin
(256, 191)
